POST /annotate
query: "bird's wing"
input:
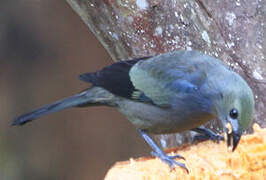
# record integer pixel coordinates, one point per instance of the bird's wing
(172, 75)
(115, 78)
(155, 80)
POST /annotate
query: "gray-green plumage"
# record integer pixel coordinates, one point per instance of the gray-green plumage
(168, 93)
(190, 87)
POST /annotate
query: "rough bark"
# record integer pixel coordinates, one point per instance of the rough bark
(234, 31)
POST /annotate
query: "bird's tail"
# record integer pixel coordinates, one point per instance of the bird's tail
(92, 96)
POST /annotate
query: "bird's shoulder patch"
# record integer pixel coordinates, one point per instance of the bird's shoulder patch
(140, 96)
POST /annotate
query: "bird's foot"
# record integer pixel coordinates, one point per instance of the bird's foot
(170, 160)
(206, 134)
(157, 152)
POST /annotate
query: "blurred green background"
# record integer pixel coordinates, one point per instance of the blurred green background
(44, 46)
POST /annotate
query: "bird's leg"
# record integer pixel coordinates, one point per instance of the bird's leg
(157, 152)
(206, 134)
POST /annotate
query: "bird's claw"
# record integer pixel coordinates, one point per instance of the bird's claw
(170, 160)
(177, 156)
(206, 134)
(216, 138)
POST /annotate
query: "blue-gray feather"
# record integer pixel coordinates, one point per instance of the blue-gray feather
(182, 75)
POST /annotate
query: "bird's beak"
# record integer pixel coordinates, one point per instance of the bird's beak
(233, 135)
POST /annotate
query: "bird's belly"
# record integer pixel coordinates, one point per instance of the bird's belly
(161, 120)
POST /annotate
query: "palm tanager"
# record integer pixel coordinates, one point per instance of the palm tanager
(167, 93)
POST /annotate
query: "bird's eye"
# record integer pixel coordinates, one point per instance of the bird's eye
(234, 113)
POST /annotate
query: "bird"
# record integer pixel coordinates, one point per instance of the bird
(167, 93)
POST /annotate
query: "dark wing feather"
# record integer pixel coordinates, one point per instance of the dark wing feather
(114, 78)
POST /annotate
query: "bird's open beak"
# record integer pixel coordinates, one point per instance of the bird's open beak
(233, 136)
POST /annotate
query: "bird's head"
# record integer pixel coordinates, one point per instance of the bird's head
(235, 109)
